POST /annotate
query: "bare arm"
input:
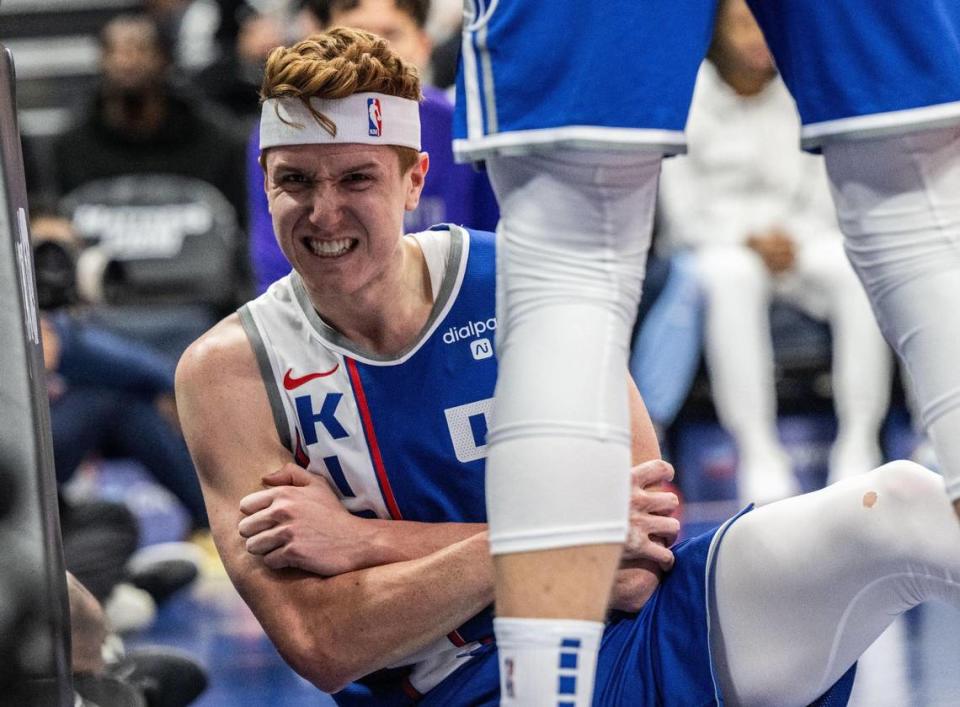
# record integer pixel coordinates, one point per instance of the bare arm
(331, 630)
(298, 521)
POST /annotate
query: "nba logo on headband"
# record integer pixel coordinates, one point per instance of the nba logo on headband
(374, 118)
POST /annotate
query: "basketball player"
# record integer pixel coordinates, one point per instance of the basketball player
(572, 106)
(356, 391)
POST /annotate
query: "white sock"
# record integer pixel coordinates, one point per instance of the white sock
(547, 662)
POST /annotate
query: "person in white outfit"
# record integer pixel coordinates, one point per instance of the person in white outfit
(757, 212)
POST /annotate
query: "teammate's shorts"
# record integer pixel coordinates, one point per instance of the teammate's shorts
(866, 68)
(620, 73)
(610, 74)
(660, 656)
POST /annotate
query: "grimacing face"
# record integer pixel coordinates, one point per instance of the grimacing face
(338, 211)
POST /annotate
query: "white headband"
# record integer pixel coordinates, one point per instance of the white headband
(366, 118)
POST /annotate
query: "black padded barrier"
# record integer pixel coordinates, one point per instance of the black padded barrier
(34, 613)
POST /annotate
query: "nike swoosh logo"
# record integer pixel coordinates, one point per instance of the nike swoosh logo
(289, 382)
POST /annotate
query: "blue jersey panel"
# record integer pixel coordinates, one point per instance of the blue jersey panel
(533, 70)
(846, 59)
(429, 419)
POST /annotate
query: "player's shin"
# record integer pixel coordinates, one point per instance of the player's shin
(573, 239)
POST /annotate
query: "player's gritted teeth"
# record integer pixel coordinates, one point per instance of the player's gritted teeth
(330, 248)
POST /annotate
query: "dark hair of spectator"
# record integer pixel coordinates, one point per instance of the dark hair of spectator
(160, 39)
(419, 10)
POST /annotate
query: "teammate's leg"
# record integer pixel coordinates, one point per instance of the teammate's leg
(898, 201)
(802, 587)
(574, 233)
(876, 102)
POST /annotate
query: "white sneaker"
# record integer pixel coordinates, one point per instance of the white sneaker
(129, 609)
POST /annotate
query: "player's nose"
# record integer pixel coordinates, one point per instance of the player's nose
(324, 205)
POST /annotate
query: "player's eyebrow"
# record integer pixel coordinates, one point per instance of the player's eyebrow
(361, 167)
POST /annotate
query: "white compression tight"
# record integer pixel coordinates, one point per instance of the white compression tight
(898, 202)
(573, 239)
(805, 585)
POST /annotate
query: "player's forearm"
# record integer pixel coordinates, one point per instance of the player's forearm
(401, 608)
(373, 618)
(399, 541)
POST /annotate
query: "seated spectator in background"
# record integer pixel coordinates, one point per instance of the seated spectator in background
(109, 396)
(756, 210)
(453, 194)
(233, 81)
(138, 123)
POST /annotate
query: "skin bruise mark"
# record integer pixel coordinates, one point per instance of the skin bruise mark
(870, 499)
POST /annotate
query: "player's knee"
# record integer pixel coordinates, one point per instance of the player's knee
(902, 493)
(908, 482)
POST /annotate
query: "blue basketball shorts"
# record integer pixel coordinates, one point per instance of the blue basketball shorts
(866, 68)
(619, 74)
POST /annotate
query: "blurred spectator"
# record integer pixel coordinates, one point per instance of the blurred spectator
(137, 122)
(757, 211)
(231, 12)
(453, 193)
(189, 28)
(108, 396)
(446, 18)
(233, 81)
(443, 62)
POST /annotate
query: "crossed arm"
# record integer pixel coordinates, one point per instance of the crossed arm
(324, 584)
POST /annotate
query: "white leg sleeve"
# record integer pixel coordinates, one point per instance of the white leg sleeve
(898, 202)
(802, 587)
(573, 238)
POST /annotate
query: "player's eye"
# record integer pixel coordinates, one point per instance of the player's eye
(357, 179)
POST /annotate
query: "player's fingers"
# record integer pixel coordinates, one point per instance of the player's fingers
(265, 542)
(277, 559)
(656, 502)
(655, 471)
(665, 528)
(642, 544)
(256, 501)
(256, 523)
(659, 554)
(288, 475)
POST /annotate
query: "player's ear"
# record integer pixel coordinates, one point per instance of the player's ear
(417, 176)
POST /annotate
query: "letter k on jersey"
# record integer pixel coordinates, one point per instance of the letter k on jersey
(326, 417)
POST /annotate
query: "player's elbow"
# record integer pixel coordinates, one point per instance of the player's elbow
(328, 671)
